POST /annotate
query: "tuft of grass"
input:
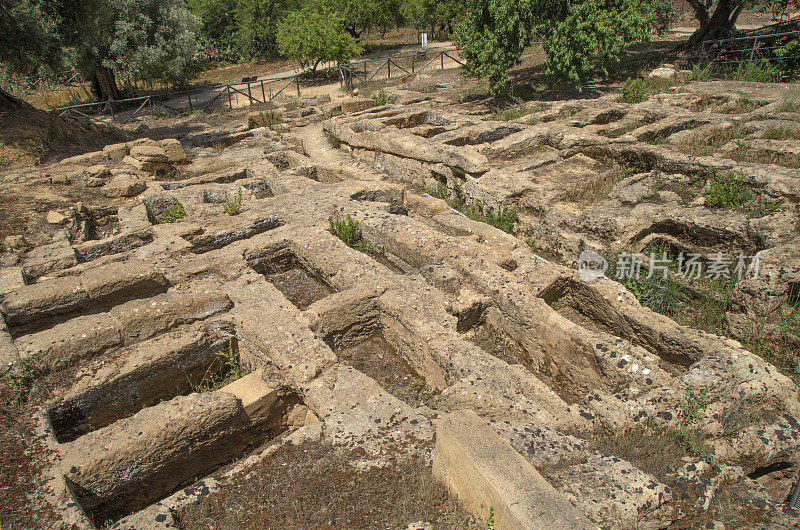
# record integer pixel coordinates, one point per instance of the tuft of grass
(635, 91)
(439, 191)
(347, 230)
(380, 98)
(503, 218)
(334, 140)
(690, 408)
(728, 191)
(700, 73)
(233, 205)
(708, 144)
(782, 132)
(172, 214)
(270, 119)
(232, 370)
(755, 71)
(789, 103)
(763, 207)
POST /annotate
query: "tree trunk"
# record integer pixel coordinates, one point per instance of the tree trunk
(720, 25)
(353, 33)
(104, 84)
(8, 100)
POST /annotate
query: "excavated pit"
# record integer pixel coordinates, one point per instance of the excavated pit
(154, 371)
(172, 445)
(374, 346)
(298, 283)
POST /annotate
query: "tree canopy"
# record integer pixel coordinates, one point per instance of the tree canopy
(314, 34)
(578, 36)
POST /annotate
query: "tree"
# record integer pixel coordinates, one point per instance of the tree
(718, 17)
(316, 34)
(578, 36)
(359, 16)
(96, 37)
(257, 23)
(217, 20)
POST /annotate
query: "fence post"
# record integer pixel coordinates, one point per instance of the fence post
(412, 63)
(190, 102)
(263, 94)
(249, 94)
(297, 79)
(389, 68)
(441, 56)
(230, 101)
(753, 51)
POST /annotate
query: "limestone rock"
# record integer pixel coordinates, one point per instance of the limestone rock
(55, 218)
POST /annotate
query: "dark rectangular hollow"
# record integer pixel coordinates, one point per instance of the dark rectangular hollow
(298, 283)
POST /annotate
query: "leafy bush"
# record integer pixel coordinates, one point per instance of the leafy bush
(347, 230)
(727, 191)
(635, 91)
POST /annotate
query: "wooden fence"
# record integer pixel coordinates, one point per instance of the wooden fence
(362, 71)
(257, 91)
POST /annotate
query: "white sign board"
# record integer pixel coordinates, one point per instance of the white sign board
(424, 37)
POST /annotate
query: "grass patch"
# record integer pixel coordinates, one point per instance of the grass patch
(348, 231)
(172, 214)
(690, 408)
(707, 144)
(728, 191)
(755, 71)
(233, 205)
(789, 103)
(782, 132)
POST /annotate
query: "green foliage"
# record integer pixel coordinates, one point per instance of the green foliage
(21, 378)
(316, 34)
(489, 523)
(764, 207)
(634, 91)
(756, 71)
(700, 73)
(217, 21)
(439, 191)
(727, 191)
(347, 230)
(233, 205)
(380, 98)
(789, 60)
(257, 24)
(504, 218)
(154, 39)
(579, 35)
(172, 213)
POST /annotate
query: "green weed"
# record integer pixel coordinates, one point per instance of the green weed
(380, 98)
(489, 523)
(172, 213)
(232, 370)
(21, 378)
(347, 230)
(334, 140)
(635, 91)
(728, 191)
(782, 132)
(690, 408)
(233, 205)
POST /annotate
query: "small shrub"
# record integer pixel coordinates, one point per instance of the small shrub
(634, 91)
(334, 140)
(380, 98)
(727, 191)
(347, 230)
(232, 370)
(789, 60)
(270, 119)
(504, 218)
(172, 213)
(765, 207)
(233, 205)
